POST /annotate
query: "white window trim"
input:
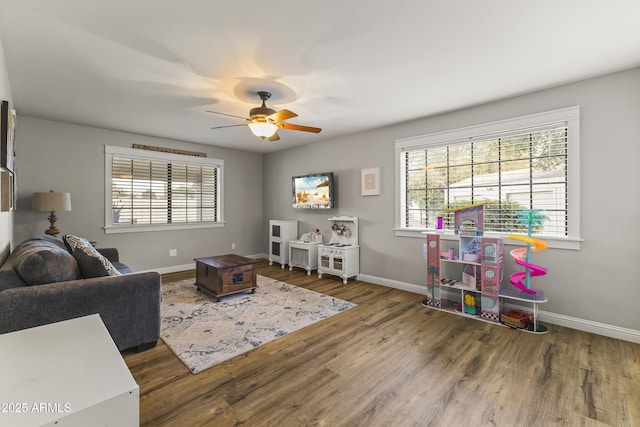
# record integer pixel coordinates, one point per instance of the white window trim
(110, 151)
(569, 115)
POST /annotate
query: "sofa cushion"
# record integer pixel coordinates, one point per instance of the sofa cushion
(9, 279)
(39, 260)
(92, 263)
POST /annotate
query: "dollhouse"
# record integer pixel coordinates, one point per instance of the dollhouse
(468, 277)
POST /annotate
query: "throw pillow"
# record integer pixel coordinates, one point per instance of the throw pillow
(92, 263)
(38, 261)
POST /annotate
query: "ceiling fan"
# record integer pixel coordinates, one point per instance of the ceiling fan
(265, 122)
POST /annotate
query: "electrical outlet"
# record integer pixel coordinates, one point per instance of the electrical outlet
(233, 246)
(173, 252)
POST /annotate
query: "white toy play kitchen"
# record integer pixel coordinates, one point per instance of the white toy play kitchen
(304, 251)
(341, 256)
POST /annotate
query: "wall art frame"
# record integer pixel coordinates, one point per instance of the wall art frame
(7, 191)
(370, 182)
(7, 137)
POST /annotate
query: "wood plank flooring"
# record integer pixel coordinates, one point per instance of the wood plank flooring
(392, 362)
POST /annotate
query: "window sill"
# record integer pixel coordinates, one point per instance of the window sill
(553, 242)
(156, 227)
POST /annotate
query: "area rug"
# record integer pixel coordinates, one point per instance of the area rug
(203, 332)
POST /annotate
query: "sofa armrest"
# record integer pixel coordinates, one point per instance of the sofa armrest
(110, 253)
(129, 305)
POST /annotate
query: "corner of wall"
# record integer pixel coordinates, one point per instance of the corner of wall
(6, 218)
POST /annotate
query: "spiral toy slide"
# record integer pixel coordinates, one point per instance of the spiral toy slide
(519, 255)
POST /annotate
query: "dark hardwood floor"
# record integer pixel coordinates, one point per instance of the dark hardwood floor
(392, 362)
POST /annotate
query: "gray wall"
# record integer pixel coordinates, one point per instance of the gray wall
(6, 218)
(64, 157)
(597, 283)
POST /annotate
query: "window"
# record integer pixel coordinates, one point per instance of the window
(148, 191)
(510, 166)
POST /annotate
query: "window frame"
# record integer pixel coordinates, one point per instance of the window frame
(570, 116)
(145, 155)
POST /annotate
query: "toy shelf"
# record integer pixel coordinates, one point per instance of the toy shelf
(505, 294)
(476, 264)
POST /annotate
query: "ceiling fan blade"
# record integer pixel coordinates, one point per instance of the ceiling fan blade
(230, 115)
(230, 126)
(281, 115)
(300, 127)
(274, 137)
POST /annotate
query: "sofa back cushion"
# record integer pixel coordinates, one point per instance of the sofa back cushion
(9, 279)
(40, 260)
(92, 263)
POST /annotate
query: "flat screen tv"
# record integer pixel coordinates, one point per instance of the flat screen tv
(314, 191)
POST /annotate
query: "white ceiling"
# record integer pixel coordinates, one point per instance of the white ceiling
(154, 66)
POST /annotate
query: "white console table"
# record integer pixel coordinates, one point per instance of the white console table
(68, 373)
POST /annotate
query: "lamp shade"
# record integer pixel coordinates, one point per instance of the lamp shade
(51, 202)
(263, 129)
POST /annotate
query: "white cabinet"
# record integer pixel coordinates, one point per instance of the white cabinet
(280, 233)
(68, 373)
(303, 254)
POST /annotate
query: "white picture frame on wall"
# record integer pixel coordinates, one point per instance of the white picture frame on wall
(370, 182)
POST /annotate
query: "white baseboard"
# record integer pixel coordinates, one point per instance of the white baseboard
(409, 287)
(192, 266)
(171, 269)
(611, 331)
(257, 256)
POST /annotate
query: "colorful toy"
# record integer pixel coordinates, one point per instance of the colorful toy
(516, 318)
(492, 276)
(469, 304)
(481, 262)
(522, 256)
(450, 254)
(471, 216)
(433, 269)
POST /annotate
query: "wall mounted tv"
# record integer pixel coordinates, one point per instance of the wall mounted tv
(313, 191)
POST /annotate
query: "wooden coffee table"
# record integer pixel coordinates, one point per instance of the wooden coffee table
(226, 274)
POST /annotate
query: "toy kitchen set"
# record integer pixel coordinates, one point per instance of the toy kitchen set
(341, 256)
(303, 252)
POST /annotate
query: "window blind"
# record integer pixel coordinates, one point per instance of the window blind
(509, 172)
(147, 192)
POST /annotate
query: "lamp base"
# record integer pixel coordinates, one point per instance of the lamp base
(52, 230)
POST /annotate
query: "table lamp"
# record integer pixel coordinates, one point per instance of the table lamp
(51, 202)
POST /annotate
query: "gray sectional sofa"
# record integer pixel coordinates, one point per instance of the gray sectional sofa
(45, 281)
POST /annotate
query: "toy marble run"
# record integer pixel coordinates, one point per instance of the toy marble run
(522, 256)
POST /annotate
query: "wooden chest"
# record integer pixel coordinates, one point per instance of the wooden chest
(226, 274)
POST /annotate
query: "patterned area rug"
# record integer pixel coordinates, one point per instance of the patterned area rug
(203, 332)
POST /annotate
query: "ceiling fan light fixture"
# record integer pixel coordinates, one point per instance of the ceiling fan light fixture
(265, 122)
(263, 129)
